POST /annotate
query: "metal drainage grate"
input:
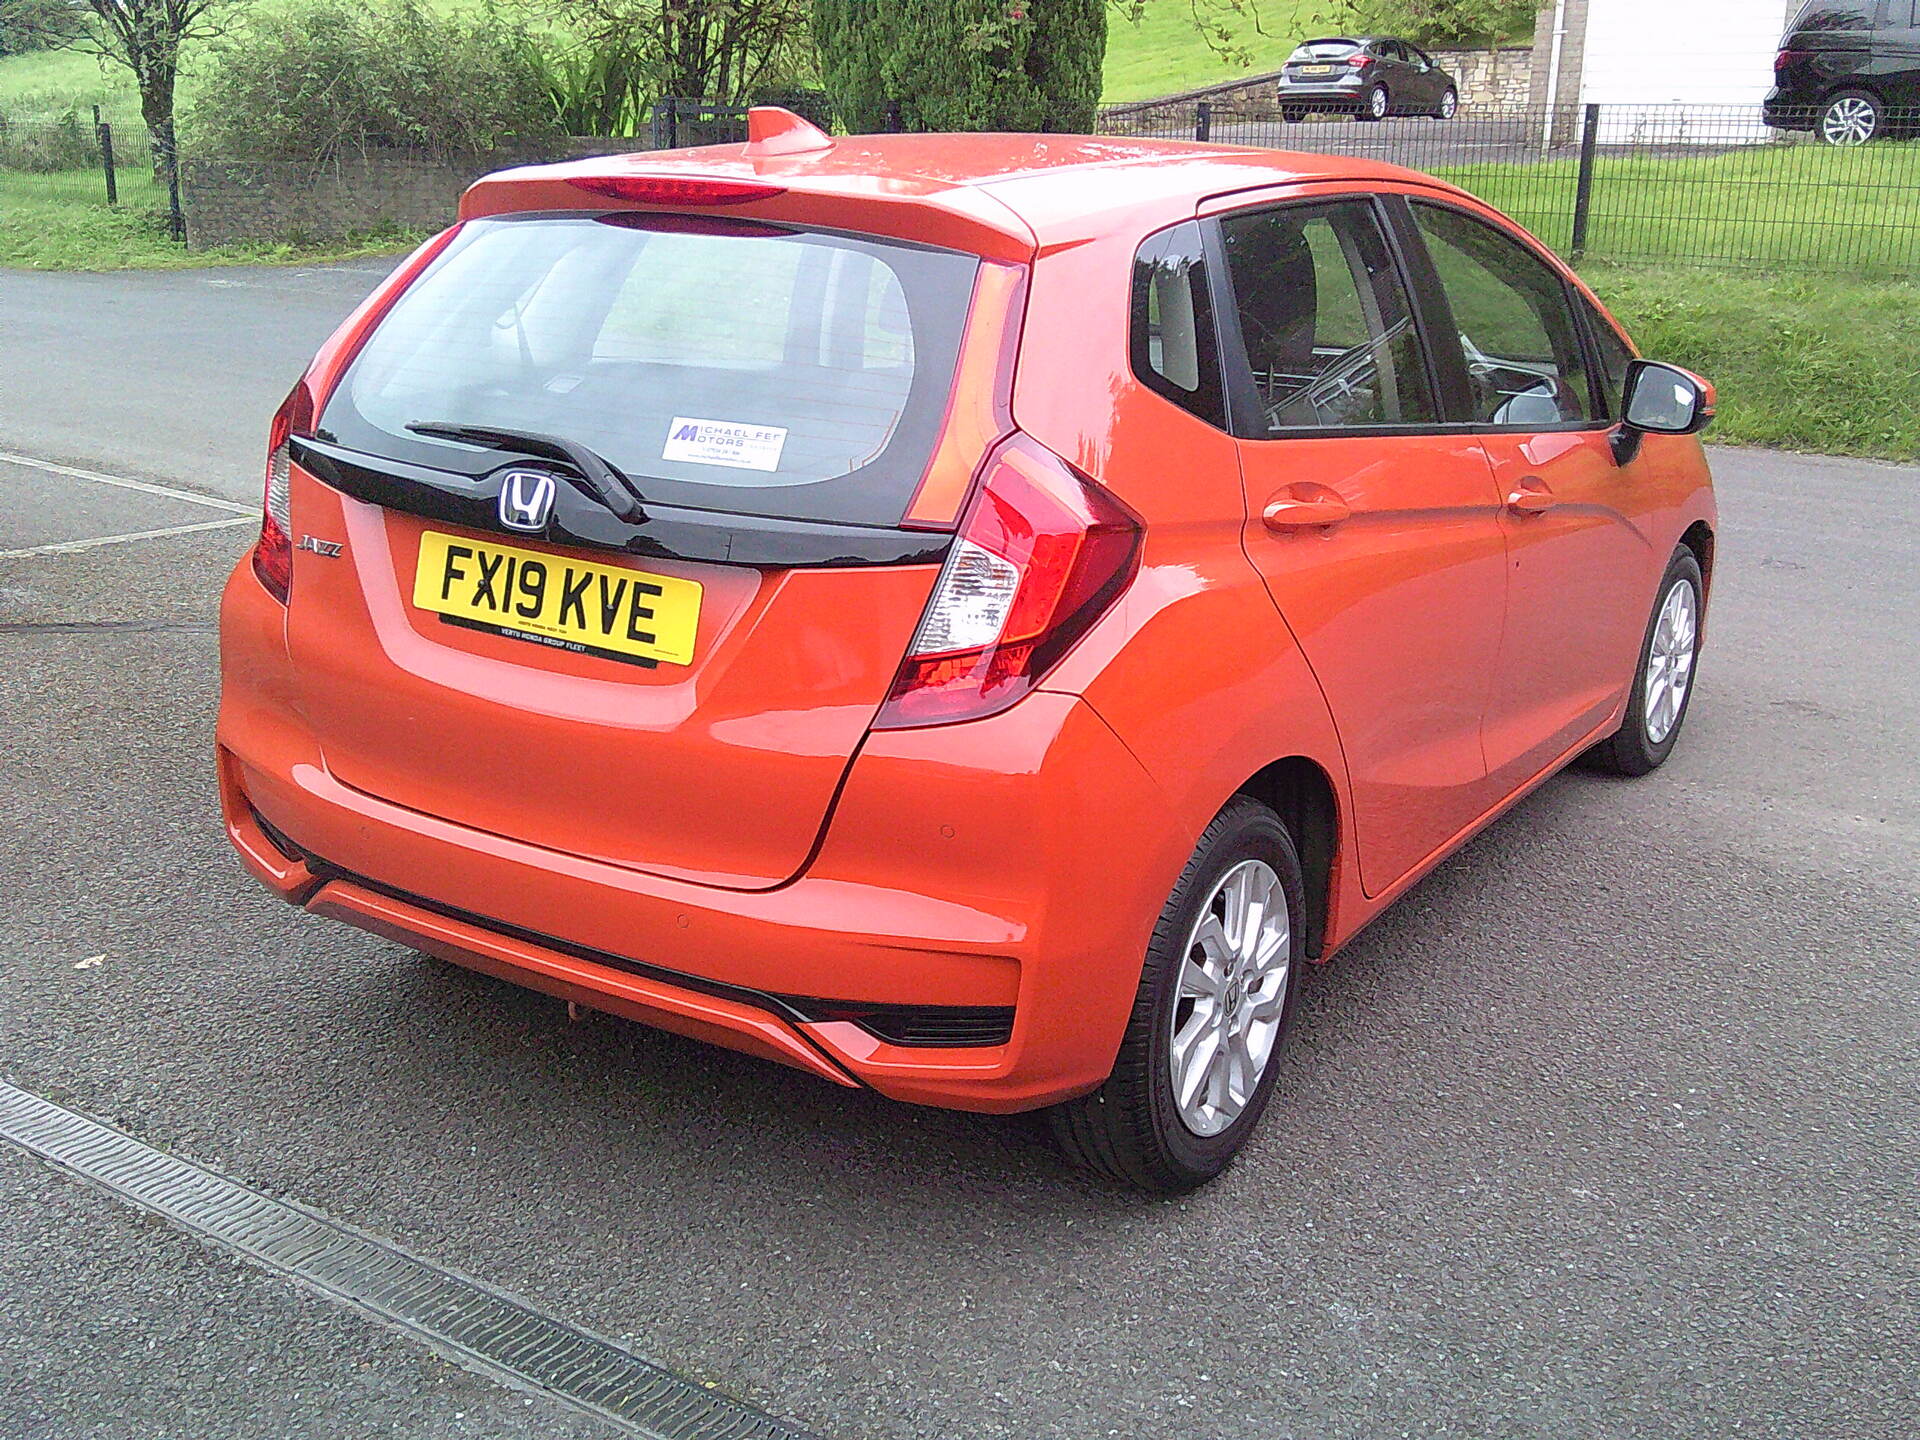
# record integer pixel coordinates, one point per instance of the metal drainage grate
(464, 1318)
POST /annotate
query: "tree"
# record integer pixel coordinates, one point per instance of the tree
(35, 25)
(1436, 22)
(626, 53)
(963, 64)
(146, 36)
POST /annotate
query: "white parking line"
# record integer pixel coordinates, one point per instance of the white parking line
(73, 547)
(212, 502)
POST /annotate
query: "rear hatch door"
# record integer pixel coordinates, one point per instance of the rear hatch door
(679, 688)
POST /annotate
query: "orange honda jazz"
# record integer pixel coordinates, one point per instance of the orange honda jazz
(964, 615)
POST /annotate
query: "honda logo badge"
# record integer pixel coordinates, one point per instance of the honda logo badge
(526, 499)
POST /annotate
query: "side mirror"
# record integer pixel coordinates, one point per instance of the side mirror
(1661, 400)
(1666, 400)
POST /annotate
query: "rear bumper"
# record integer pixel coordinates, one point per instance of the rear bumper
(1017, 862)
(1341, 95)
(1791, 109)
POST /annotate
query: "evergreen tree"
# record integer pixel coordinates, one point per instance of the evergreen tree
(963, 64)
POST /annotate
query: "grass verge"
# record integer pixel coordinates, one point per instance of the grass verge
(1824, 363)
(1793, 205)
(62, 222)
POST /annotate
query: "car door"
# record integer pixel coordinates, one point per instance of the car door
(1580, 560)
(1375, 528)
(1393, 71)
(1896, 60)
(1427, 83)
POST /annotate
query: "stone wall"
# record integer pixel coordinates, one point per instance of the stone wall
(270, 201)
(1491, 79)
(1488, 79)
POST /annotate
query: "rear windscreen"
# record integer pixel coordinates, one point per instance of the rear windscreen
(722, 365)
(1326, 50)
(1827, 15)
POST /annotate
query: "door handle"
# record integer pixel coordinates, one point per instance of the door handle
(1305, 505)
(1531, 497)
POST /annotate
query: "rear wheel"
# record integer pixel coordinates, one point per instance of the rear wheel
(1293, 114)
(1196, 1066)
(1663, 685)
(1852, 117)
(1375, 104)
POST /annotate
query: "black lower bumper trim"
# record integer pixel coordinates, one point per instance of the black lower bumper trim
(915, 1026)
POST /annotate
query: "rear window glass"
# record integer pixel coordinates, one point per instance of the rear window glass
(1326, 49)
(1827, 15)
(722, 365)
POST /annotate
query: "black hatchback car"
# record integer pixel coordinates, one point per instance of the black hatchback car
(1849, 70)
(1367, 76)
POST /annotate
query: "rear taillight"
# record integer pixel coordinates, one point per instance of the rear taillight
(1041, 554)
(1359, 62)
(273, 553)
(1786, 58)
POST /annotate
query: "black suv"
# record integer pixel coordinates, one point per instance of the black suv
(1849, 70)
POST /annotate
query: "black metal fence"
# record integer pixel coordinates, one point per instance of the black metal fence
(87, 159)
(1711, 185)
(1671, 184)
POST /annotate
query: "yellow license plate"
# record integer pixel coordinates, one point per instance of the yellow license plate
(604, 610)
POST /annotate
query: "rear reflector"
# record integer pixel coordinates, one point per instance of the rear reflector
(930, 1026)
(1041, 554)
(676, 189)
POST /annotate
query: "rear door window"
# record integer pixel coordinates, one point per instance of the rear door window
(722, 365)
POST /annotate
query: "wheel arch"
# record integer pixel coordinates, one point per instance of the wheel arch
(1302, 793)
(1698, 538)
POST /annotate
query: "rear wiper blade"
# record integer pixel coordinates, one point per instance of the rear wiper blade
(604, 480)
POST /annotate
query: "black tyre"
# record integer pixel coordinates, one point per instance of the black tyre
(1449, 105)
(1853, 117)
(1293, 114)
(1196, 1066)
(1376, 104)
(1663, 683)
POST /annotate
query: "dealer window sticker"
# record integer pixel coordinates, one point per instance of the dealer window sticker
(724, 442)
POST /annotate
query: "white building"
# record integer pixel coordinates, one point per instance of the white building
(1646, 53)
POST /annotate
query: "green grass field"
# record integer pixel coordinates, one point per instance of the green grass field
(1165, 53)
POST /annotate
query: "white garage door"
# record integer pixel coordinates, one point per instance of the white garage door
(1682, 52)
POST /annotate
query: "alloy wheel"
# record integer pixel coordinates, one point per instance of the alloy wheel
(1231, 998)
(1449, 103)
(1377, 102)
(1670, 661)
(1850, 120)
